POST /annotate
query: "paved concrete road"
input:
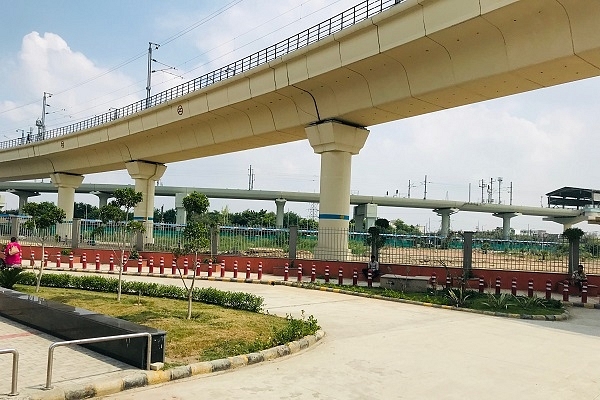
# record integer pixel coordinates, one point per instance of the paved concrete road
(383, 350)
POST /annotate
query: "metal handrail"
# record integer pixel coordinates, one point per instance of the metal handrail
(15, 369)
(93, 340)
(352, 16)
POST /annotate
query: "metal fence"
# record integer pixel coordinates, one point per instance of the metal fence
(354, 15)
(269, 242)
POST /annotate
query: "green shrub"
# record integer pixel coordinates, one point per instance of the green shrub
(235, 300)
(9, 277)
(295, 329)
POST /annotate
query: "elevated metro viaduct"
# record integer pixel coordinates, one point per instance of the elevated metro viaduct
(365, 210)
(405, 59)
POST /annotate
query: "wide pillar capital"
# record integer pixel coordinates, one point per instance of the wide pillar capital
(335, 136)
(63, 180)
(145, 170)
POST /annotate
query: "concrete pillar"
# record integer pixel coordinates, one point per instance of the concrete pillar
(365, 216)
(445, 214)
(506, 222)
(23, 197)
(66, 184)
(180, 213)
(15, 226)
(145, 175)
(336, 143)
(102, 198)
(280, 203)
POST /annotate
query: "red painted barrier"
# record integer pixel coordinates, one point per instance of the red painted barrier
(151, 265)
(448, 281)
(370, 278)
(260, 270)
(223, 269)
(530, 288)
(327, 274)
(235, 269)
(161, 265)
(513, 287)
(139, 265)
(481, 285)
(98, 262)
(83, 261)
(248, 270)
(71, 260)
(498, 283)
(313, 274)
(433, 280)
(340, 276)
(286, 272)
(111, 262)
(354, 277)
(186, 269)
(548, 289)
(124, 263)
(57, 260)
(299, 272)
(209, 268)
(584, 290)
(32, 259)
(566, 290)
(45, 259)
(174, 267)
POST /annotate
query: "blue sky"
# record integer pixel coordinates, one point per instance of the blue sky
(539, 141)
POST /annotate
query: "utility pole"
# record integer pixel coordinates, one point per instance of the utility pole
(22, 135)
(499, 189)
(41, 123)
(250, 178)
(491, 191)
(149, 80)
(483, 186)
(511, 192)
(425, 190)
(410, 186)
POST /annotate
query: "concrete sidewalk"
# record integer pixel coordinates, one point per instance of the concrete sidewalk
(77, 366)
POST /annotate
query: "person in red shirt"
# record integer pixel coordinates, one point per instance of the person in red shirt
(12, 253)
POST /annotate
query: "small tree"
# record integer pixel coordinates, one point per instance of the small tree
(43, 216)
(118, 212)
(194, 238)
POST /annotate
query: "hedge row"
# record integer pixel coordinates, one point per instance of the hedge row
(235, 300)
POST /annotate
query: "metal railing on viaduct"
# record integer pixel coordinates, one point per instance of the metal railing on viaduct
(350, 17)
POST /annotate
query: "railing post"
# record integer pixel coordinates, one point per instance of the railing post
(293, 242)
(15, 370)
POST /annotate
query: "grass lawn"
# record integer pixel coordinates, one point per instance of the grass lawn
(213, 332)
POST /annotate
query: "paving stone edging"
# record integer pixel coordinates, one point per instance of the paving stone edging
(145, 378)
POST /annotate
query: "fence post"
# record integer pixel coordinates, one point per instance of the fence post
(214, 240)
(467, 254)
(139, 241)
(14, 226)
(293, 242)
(75, 233)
